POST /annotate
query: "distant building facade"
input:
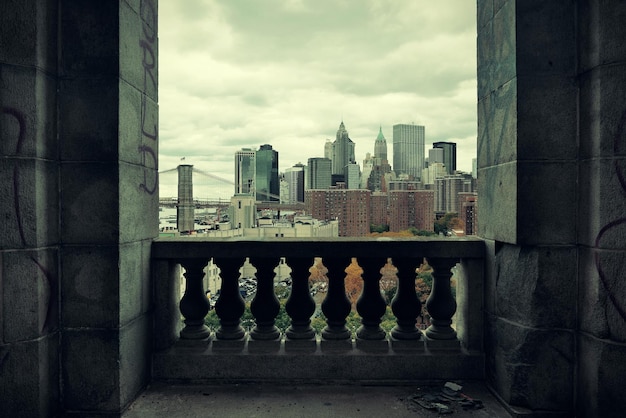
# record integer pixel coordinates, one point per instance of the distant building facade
(294, 178)
(267, 184)
(350, 207)
(245, 171)
(343, 151)
(468, 211)
(411, 208)
(449, 155)
(379, 209)
(408, 149)
(242, 211)
(319, 173)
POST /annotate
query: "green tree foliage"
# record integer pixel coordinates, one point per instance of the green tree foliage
(379, 228)
(447, 223)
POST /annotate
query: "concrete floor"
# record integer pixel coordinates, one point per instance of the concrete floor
(271, 400)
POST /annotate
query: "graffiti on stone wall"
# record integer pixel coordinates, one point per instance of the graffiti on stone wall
(618, 142)
(49, 278)
(149, 126)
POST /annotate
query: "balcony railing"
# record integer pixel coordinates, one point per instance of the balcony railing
(451, 347)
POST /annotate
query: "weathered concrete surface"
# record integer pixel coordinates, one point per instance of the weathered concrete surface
(300, 400)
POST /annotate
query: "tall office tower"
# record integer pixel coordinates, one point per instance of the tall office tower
(449, 155)
(294, 177)
(435, 155)
(343, 151)
(353, 176)
(368, 164)
(245, 170)
(328, 149)
(380, 147)
(411, 208)
(408, 149)
(319, 173)
(267, 184)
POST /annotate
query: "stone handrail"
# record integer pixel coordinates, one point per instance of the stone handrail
(193, 254)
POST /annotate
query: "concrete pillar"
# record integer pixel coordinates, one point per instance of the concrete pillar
(602, 205)
(527, 183)
(551, 167)
(79, 201)
(108, 133)
(29, 210)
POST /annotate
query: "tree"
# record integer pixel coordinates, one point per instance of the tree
(447, 223)
(353, 282)
(388, 281)
(379, 228)
(318, 272)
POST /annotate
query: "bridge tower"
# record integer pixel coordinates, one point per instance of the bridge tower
(185, 207)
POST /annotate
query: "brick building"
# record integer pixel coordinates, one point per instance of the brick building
(350, 207)
(411, 208)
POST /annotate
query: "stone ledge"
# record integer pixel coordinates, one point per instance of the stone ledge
(180, 363)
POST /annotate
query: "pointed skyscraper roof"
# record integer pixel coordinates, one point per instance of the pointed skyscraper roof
(380, 146)
(380, 136)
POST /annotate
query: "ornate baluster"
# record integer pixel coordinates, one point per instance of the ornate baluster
(230, 305)
(265, 305)
(441, 304)
(405, 304)
(300, 305)
(336, 305)
(194, 304)
(371, 305)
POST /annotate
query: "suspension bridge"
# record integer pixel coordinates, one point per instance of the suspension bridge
(208, 190)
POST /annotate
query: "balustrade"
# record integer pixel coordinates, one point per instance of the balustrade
(441, 304)
(230, 306)
(194, 305)
(371, 306)
(300, 305)
(336, 306)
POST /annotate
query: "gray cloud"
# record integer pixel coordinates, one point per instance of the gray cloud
(242, 73)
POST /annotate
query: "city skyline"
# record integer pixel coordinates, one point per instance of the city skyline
(237, 74)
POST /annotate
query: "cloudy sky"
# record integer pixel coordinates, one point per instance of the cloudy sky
(241, 73)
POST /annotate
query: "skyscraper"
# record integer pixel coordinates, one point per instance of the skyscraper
(408, 149)
(343, 150)
(267, 184)
(319, 173)
(380, 147)
(245, 171)
(294, 176)
(353, 176)
(449, 155)
(380, 164)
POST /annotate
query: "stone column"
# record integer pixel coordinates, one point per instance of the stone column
(29, 208)
(108, 147)
(602, 207)
(527, 186)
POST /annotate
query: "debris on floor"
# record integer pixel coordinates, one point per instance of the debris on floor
(444, 400)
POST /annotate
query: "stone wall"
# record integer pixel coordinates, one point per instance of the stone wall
(602, 204)
(552, 95)
(79, 134)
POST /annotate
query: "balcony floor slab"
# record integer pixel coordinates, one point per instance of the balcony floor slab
(277, 401)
